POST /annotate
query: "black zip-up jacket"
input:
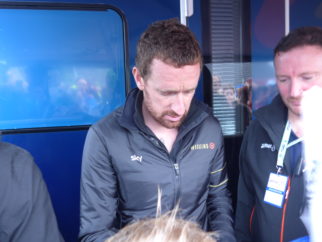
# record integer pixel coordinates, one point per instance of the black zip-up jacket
(124, 163)
(255, 219)
(26, 212)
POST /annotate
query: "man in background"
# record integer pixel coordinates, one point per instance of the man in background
(271, 183)
(26, 212)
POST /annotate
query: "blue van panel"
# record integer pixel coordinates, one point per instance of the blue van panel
(58, 155)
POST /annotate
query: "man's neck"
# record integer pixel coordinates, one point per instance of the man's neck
(165, 135)
(296, 124)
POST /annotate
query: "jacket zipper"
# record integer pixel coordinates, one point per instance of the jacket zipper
(177, 172)
(161, 146)
(176, 168)
(284, 209)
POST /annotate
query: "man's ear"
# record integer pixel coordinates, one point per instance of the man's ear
(138, 78)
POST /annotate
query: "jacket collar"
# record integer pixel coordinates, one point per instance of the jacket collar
(273, 118)
(131, 116)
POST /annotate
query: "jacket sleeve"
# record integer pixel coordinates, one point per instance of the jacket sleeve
(28, 214)
(245, 198)
(98, 202)
(219, 201)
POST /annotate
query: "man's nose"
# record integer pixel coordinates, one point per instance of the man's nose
(296, 88)
(178, 104)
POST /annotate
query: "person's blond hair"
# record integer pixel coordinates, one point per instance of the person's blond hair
(166, 228)
(163, 228)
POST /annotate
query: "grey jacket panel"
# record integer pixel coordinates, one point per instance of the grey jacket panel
(26, 212)
(124, 163)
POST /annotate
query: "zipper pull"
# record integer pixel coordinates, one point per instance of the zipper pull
(288, 188)
(286, 194)
(176, 168)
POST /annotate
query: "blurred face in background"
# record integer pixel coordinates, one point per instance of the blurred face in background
(297, 70)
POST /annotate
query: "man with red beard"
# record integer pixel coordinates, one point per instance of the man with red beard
(163, 139)
(271, 194)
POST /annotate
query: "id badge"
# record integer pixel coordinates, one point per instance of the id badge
(275, 190)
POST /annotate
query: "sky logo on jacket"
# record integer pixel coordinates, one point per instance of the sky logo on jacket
(268, 146)
(210, 146)
(136, 158)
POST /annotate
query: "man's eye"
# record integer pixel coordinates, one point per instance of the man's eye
(307, 78)
(189, 92)
(282, 80)
(167, 93)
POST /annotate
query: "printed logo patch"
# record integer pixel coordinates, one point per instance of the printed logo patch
(268, 146)
(136, 158)
(210, 146)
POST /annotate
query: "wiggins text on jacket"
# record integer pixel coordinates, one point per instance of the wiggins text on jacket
(203, 146)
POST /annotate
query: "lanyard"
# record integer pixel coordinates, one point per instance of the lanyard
(284, 145)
